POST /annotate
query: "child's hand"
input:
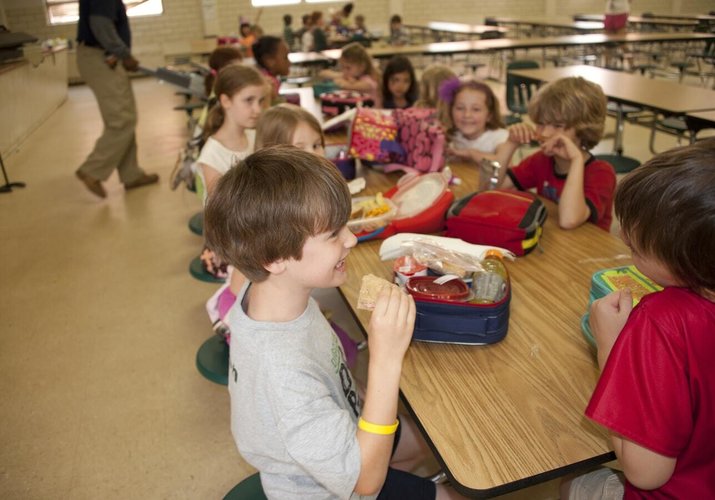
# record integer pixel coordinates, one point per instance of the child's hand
(561, 146)
(607, 318)
(341, 81)
(329, 74)
(464, 154)
(521, 133)
(391, 325)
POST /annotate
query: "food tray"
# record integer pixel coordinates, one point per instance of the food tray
(369, 224)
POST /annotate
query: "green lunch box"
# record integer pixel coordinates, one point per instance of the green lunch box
(606, 281)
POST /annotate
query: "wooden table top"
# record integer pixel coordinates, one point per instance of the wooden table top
(704, 115)
(661, 95)
(700, 120)
(504, 416)
(464, 29)
(551, 23)
(526, 43)
(655, 20)
(696, 17)
(205, 46)
(307, 58)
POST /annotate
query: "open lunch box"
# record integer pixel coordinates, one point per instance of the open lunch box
(606, 281)
(444, 312)
(416, 205)
(443, 315)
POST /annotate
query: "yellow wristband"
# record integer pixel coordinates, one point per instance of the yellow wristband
(384, 430)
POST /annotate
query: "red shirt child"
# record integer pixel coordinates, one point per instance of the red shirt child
(657, 388)
(656, 393)
(568, 117)
(538, 171)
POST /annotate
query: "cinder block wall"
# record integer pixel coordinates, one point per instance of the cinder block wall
(182, 20)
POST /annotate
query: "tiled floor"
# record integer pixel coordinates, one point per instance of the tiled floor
(100, 322)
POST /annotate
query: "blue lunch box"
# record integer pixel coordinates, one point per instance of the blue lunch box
(461, 322)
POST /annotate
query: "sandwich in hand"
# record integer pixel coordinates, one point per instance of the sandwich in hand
(369, 290)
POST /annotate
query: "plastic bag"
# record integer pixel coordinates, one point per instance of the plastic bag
(442, 260)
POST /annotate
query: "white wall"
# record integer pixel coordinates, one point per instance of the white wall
(182, 20)
(36, 92)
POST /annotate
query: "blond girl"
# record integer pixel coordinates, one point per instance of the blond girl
(432, 78)
(357, 72)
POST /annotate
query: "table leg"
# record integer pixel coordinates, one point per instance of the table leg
(618, 136)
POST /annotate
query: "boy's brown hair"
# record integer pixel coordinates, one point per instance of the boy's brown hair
(277, 125)
(574, 102)
(667, 212)
(264, 209)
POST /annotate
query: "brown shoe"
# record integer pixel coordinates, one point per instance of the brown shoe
(144, 180)
(92, 184)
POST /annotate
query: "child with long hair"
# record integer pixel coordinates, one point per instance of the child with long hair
(357, 72)
(290, 124)
(271, 55)
(240, 91)
(399, 85)
(186, 167)
(657, 384)
(432, 77)
(470, 113)
(220, 58)
(569, 114)
(230, 137)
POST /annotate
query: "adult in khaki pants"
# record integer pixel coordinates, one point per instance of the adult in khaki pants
(103, 58)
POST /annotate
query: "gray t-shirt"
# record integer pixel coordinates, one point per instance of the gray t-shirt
(294, 404)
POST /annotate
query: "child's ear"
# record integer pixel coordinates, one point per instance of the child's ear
(224, 100)
(277, 266)
(270, 62)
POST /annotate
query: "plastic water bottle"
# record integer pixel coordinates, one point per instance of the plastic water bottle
(488, 174)
(489, 285)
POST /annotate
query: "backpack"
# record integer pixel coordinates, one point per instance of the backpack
(410, 139)
(369, 133)
(184, 168)
(421, 140)
(504, 218)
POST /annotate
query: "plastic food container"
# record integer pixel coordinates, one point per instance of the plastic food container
(320, 88)
(606, 281)
(406, 267)
(370, 224)
(424, 287)
(418, 194)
